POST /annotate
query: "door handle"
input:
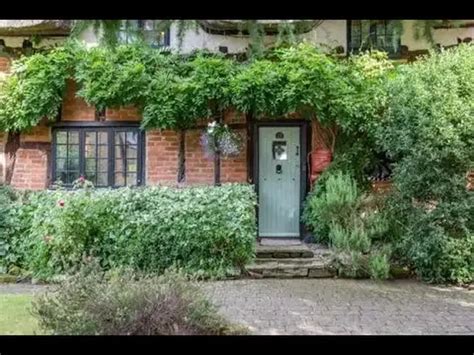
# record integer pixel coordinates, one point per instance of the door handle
(297, 150)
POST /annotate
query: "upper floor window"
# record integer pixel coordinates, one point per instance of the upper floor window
(373, 34)
(107, 156)
(152, 35)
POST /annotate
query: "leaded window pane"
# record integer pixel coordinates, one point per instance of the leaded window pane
(92, 153)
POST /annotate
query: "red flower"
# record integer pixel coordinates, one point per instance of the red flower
(61, 203)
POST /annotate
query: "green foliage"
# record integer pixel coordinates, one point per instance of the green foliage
(110, 78)
(330, 203)
(429, 131)
(304, 79)
(7, 197)
(124, 303)
(196, 89)
(211, 76)
(352, 223)
(169, 102)
(174, 91)
(256, 89)
(35, 88)
(379, 267)
(205, 231)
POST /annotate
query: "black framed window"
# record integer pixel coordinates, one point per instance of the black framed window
(107, 156)
(373, 34)
(154, 36)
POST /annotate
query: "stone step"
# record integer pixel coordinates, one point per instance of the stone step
(285, 268)
(288, 261)
(284, 251)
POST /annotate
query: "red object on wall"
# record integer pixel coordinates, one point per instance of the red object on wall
(318, 160)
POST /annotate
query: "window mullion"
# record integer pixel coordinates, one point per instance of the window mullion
(97, 147)
(111, 160)
(82, 151)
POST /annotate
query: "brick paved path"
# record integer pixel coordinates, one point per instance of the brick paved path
(335, 306)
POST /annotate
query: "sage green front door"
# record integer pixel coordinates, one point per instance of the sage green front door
(279, 181)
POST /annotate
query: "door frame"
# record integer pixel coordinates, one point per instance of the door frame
(305, 142)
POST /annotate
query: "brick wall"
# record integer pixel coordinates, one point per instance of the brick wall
(31, 167)
(38, 134)
(32, 163)
(161, 157)
(122, 114)
(199, 168)
(75, 108)
(234, 169)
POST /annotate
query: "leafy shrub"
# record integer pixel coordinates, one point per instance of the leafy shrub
(204, 230)
(379, 266)
(437, 241)
(7, 197)
(331, 202)
(123, 303)
(429, 130)
(352, 223)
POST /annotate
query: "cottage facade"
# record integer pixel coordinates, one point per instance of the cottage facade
(110, 149)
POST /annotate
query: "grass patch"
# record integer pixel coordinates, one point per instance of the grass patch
(15, 316)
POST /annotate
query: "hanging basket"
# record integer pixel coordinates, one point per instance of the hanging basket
(219, 138)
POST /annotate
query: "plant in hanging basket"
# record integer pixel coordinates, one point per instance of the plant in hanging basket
(219, 138)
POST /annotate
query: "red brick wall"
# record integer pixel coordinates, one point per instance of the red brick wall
(122, 114)
(161, 157)
(75, 108)
(41, 133)
(234, 117)
(31, 166)
(234, 169)
(199, 169)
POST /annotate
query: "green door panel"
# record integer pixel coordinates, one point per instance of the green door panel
(279, 181)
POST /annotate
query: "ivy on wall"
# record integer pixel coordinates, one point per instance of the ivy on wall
(35, 89)
(173, 91)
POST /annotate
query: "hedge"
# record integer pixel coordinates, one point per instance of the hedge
(203, 230)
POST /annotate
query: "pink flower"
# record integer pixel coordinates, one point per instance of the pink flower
(61, 203)
(82, 178)
(48, 238)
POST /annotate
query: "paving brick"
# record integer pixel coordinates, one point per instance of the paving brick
(336, 306)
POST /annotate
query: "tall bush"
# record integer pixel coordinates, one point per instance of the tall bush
(429, 132)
